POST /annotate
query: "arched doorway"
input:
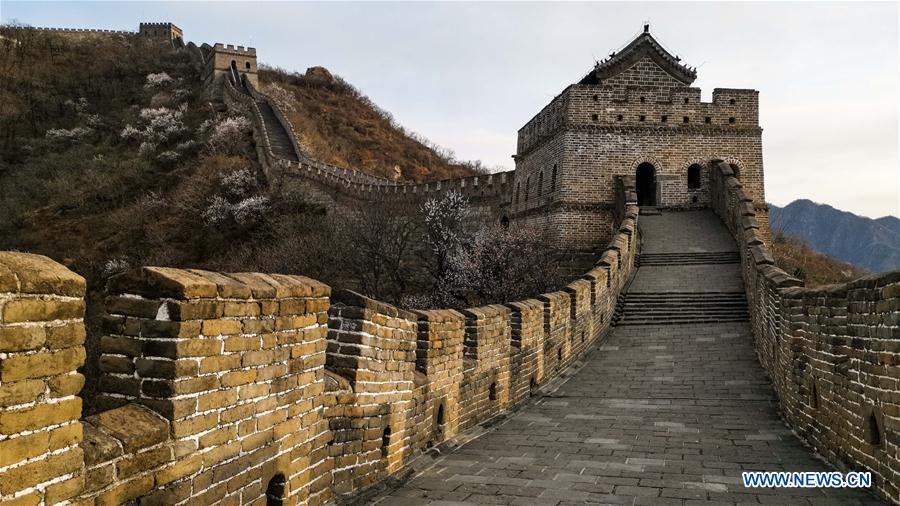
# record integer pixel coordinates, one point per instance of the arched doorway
(645, 184)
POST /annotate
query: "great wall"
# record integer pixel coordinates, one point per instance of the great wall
(250, 388)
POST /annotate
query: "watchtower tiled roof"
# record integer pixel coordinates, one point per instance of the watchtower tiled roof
(644, 46)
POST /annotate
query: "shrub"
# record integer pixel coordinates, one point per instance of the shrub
(283, 98)
(250, 210)
(68, 136)
(238, 184)
(445, 227)
(158, 81)
(114, 266)
(228, 136)
(168, 158)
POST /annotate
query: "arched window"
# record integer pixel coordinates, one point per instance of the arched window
(540, 185)
(275, 491)
(439, 419)
(247, 65)
(504, 222)
(693, 177)
(385, 441)
(553, 178)
(527, 187)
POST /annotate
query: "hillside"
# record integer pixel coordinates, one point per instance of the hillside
(337, 124)
(798, 259)
(113, 154)
(872, 245)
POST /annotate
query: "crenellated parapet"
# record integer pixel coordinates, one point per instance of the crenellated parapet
(41, 347)
(162, 31)
(236, 387)
(833, 352)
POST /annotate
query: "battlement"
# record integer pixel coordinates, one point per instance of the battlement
(612, 107)
(164, 30)
(82, 31)
(237, 387)
(831, 352)
(232, 49)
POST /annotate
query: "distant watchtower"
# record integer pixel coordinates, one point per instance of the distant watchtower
(634, 118)
(243, 60)
(163, 31)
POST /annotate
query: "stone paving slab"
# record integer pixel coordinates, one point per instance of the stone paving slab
(688, 278)
(685, 232)
(625, 437)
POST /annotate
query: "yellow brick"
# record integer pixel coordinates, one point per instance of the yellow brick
(218, 437)
(21, 392)
(199, 347)
(40, 471)
(39, 365)
(65, 336)
(125, 492)
(144, 461)
(67, 435)
(194, 425)
(65, 385)
(221, 327)
(19, 338)
(38, 310)
(32, 499)
(22, 448)
(242, 343)
(64, 490)
(180, 469)
(241, 309)
(217, 399)
(236, 378)
(42, 415)
(220, 363)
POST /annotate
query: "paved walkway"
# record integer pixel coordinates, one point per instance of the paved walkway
(658, 415)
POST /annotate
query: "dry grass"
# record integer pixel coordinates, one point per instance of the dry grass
(796, 258)
(339, 125)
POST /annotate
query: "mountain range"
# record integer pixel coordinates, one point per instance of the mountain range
(870, 244)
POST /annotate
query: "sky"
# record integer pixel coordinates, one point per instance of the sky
(469, 75)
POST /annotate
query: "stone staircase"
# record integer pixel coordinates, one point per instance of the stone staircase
(682, 307)
(713, 257)
(679, 277)
(279, 137)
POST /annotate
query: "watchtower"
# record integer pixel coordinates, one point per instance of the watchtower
(162, 31)
(633, 119)
(226, 57)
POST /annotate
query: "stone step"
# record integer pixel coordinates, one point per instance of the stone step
(674, 321)
(711, 257)
(279, 137)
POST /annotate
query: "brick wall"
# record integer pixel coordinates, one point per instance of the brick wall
(233, 362)
(833, 353)
(41, 346)
(229, 388)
